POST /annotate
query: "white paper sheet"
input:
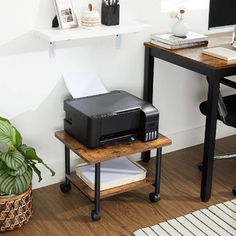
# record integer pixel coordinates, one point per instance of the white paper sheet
(82, 84)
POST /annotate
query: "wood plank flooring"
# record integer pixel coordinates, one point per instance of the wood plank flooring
(56, 213)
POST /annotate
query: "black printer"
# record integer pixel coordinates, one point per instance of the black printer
(106, 118)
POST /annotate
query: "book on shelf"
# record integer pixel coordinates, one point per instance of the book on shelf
(170, 39)
(179, 46)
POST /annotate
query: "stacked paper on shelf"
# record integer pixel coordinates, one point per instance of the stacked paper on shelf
(170, 41)
(114, 173)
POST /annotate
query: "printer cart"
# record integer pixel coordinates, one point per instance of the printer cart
(98, 155)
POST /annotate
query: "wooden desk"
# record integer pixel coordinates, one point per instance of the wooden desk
(215, 70)
(98, 155)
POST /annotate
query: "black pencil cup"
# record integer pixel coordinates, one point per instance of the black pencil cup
(110, 15)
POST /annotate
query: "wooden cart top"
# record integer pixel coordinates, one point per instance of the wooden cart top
(109, 152)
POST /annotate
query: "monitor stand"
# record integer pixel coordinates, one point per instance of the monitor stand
(232, 45)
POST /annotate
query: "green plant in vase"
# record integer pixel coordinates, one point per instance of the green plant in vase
(17, 161)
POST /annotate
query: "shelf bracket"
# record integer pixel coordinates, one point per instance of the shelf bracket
(52, 49)
(118, 41)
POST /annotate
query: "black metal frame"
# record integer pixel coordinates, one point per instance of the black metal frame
(228, 83)
(96, 212)
(223, 113)
(66, 187)
(158, 173)
(156, 196)
(214, 76)
(67, 165)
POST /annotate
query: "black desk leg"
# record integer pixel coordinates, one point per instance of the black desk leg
(210, 133)
(148, 87)
(155, 197)
(95, 214)
(66, 187)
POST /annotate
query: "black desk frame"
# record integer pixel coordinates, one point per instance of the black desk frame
(214, 76)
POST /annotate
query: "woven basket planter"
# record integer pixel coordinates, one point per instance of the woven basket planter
(15, 211)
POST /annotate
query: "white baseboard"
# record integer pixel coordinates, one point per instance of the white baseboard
(180, 140)
(195, 136)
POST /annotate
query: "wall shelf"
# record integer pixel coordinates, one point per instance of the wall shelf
(55, 35)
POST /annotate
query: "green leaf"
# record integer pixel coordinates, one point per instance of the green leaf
(2, 165)
(7, 133)
(18, 138)
(4, 119)
(30, 154)
(36, 170)
(15, 184)
(13, 160)
(15, 139)
(19, 171)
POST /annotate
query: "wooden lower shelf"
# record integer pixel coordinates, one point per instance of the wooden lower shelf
(75, 180)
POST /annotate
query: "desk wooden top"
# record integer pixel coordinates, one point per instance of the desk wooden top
(109, 152)
(195, 53)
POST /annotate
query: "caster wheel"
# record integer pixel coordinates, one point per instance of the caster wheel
(234, 191)
(95, 216)
(154, 198)
(65, 188)
(200, 166)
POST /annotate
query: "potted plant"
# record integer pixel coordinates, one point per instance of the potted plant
(17, 164)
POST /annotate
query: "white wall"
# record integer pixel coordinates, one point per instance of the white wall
(32, 90)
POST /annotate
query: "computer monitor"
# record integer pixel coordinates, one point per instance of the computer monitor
(222, 13)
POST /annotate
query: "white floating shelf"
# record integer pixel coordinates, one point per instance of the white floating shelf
(57, 35)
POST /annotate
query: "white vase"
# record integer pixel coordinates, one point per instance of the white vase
(179, 29)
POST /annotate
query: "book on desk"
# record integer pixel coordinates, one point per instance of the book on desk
(221, 53)
(170, 41)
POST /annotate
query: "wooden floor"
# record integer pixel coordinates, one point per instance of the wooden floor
(56, 213)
